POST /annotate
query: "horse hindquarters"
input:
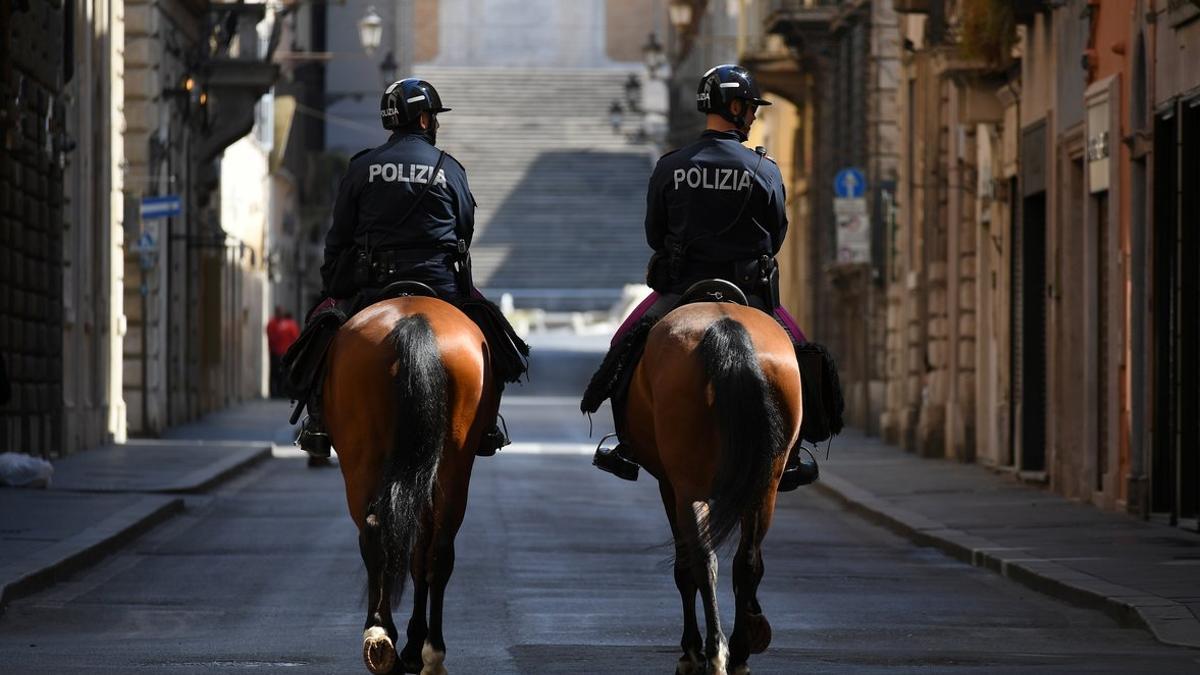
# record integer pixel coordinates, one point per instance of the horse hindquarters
(751, 439)
(395, 513)
(751, 425)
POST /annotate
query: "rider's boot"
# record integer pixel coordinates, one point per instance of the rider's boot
(493, 439)
(313, 438)
(616, 461)
(799, 471)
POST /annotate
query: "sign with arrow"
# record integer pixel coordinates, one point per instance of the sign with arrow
(852, 217)
(850, 183)
(164, 206)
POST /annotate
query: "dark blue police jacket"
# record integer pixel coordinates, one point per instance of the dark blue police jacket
(378, 189)
(695, 195)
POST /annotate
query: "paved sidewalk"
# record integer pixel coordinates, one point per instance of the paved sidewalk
(1141, 573)
(101, 498)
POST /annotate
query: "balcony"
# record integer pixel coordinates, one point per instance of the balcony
(1024, 11)
(912, 6)
(802, 23)
(235, 74)
(786, 37)
(801, 15)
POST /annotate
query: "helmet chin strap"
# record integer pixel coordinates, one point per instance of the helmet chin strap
(431, 132)
(738, 121)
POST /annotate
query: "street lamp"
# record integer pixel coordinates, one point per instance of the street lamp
(633, 93)
(680, 14)
(370, 30)
(653, 55)
(616, 116)
(387, 69)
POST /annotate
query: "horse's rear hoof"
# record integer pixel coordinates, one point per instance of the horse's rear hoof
(379, 654)
(758, 633)
(691, 663)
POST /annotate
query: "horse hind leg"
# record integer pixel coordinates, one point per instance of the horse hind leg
(692, 644)
(379, 634)
(702, 562)
(751, 630)
(450, 508)
(418, 627)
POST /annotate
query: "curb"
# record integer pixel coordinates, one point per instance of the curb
(1170, 622)
(86, 548)
(209, 477)
(199, 480)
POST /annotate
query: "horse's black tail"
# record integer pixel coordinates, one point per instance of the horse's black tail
(751, 425)
(421, 390)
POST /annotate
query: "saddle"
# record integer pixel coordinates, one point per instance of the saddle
(713, 290)
(612, 377)
(304, 362)
(818, 370)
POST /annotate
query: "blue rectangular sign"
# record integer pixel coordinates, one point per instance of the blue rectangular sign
(161, 207)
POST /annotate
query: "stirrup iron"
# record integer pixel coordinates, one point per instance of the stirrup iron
(613, 461)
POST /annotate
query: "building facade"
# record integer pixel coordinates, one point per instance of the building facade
(830, 69)
(193, 278)
(61, 214)
(119, 318)
(1031, 174)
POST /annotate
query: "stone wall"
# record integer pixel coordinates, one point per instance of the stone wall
(31, 214)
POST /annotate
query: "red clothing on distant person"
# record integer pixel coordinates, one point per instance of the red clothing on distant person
(281, 333)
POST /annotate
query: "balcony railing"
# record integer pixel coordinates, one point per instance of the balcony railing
(800, 5)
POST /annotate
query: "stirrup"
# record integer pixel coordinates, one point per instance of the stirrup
(803, 472)
(494, 438)
(614, 460)
(315, 443)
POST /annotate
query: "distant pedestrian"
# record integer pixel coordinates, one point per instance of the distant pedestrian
(282, 331)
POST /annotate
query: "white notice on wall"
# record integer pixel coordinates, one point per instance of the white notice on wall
(853, 230)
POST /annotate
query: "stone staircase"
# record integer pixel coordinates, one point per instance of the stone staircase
(561, 198)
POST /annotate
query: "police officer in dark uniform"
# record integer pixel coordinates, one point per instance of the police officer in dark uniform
(397, 182)
(715, 207)
(715, 210)
(404, 212)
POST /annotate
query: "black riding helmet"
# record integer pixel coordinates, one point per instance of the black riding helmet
(404, 101)
(724, 84)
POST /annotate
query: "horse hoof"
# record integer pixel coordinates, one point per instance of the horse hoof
(690, 664)
(379, 654)
(758, 633)
(410, 659)
(434, 660)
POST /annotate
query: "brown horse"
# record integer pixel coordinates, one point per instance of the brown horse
(407, 395)
(713, 408)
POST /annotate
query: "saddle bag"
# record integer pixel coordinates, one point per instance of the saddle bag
(510, 354)
(822, 393)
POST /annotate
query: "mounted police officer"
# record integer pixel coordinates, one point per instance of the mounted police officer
(716, 210)
(404, 212)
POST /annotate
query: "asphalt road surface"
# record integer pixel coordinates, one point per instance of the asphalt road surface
(560, 569)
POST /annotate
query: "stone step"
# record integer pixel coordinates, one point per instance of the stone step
(561, 197)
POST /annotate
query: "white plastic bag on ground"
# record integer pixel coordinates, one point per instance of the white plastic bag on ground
(20, 470)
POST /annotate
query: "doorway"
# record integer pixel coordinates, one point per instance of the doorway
(1032, 292)
(1175, 445)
